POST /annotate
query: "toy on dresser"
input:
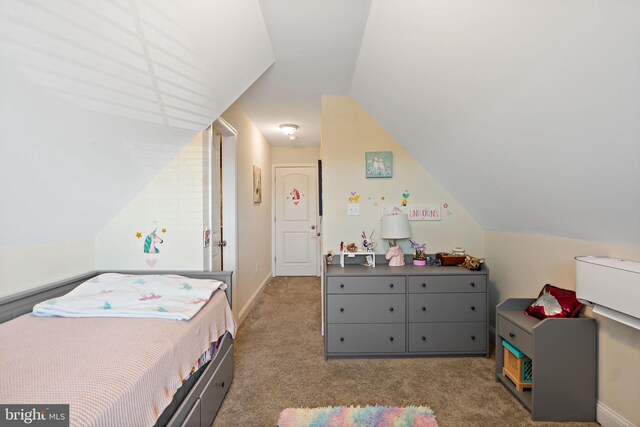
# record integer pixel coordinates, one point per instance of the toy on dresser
(395, 256)
(367, 242)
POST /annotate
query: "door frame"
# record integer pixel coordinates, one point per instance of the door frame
(273, 215)
(229, 201)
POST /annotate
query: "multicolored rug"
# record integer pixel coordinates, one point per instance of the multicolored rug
(369, 416)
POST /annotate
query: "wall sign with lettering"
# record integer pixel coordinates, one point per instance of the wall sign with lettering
(423, 212)
(414, 212)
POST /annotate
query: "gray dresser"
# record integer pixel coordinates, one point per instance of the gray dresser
(409, 311)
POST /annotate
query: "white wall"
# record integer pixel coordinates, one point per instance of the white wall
(173, 201)
(26, 267)
(347, 133)
(525, 111)
(294, 154)
(253, 219)
(96, 101)
(520, 264)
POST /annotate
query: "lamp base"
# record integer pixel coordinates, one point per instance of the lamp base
(395, 256)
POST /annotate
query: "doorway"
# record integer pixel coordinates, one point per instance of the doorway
(214, 237)
(296, 221)
(219, 194)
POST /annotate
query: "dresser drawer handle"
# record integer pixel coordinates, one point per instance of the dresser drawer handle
(390, 308)
(473, 337)
(342, 285)
(424, 338)
(424, 308)
(512, 335)
(473, 308)
(473, 285)
(341, 308)
(341, 338)
(391, 285)
(424, 285)
(391, 339)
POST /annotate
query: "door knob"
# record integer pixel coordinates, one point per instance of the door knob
(313, 227)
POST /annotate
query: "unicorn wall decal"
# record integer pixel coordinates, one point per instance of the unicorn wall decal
(150, 243)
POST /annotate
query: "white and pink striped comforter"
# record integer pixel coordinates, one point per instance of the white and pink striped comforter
(111, 371)
(133, 295)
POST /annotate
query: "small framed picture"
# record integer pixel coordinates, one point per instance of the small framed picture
(378, 164)
(257, 185)
(207, 237)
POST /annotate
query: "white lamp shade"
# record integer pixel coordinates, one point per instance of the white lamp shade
(395, 227)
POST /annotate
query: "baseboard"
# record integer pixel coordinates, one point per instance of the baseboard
(607, 417)
(244, 311)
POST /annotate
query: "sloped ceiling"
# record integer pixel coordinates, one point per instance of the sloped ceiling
(97, 98)
(316, 44)
(527, 112)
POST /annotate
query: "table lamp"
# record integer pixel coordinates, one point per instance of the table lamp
(395, 227)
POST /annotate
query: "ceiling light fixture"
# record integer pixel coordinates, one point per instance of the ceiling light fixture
(289, 130)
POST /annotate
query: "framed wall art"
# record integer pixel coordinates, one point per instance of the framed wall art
(257, 185)
(378, 164)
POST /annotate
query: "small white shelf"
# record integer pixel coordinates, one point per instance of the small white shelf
(354, 254)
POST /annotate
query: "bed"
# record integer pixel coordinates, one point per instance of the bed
(126, 363)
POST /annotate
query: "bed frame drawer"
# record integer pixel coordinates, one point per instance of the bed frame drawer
(193, 418)
(207, 394)
(216, 389)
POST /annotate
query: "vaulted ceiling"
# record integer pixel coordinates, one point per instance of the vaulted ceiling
(528, 112)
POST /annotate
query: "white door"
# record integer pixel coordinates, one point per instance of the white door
(296, 221)
(212, 146)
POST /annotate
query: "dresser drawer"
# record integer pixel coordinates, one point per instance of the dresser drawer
(359, 338)
(516, 336)
(470, 307)
(448, 337)
(366, 285)
(438, 284)
(366, 308)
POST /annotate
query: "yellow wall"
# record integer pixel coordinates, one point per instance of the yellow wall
(253, 220)
(347, 133)
(171, 201)
(520, 264)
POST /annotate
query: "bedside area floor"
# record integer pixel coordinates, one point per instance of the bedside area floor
(279, 364)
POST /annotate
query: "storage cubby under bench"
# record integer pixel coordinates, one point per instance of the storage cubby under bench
(563, 353)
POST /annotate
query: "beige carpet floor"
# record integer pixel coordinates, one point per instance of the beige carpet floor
(279, 364)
